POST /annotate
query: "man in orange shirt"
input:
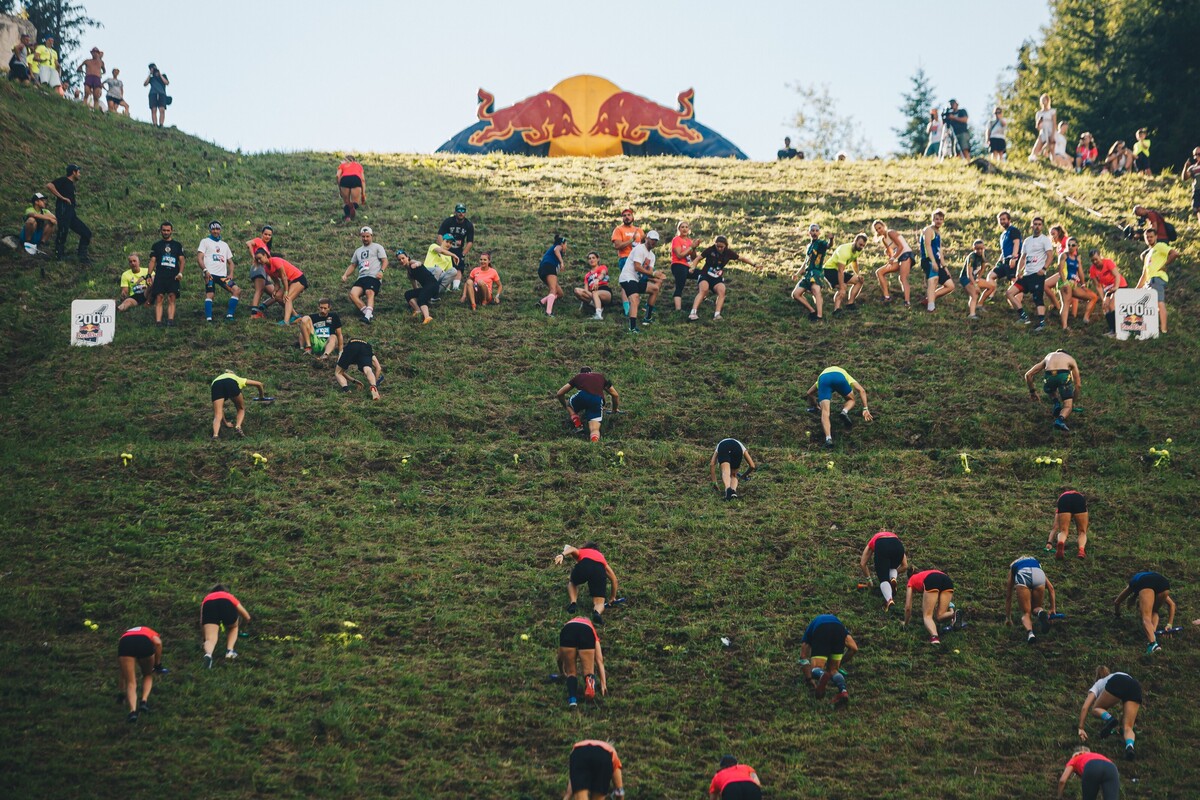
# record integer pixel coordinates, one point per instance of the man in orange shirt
(624, 237)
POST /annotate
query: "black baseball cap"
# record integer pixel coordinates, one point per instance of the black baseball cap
(73, 168)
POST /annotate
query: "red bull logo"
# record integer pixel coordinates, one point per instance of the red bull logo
(88, 333)
(538, 119)
(631, 118)
(1134, 322)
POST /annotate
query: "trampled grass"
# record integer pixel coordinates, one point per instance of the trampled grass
(444, 561)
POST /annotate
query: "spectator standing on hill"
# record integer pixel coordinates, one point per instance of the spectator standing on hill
(66, 211)
(370, 260)
(1099, 775)
(594, 768)
(1110, 689)
(135, 285)
(215, 260)
(218, 608)
(683, 254)
(890, 558)
(592, 568)
(735, 781)
(352, 186)
(595, 289)
(114, 89)
(820, 396)
(1191, 171)
(813, 274)
(899, 259)
(552, 264)
(638, 277)
(624, 237)
(1036, 252)
(1157, 256)
(1119, 160)
(158, 83)
(1150, 591)
(959, 122)
(139, 647)
(1045, 122)
(938, 281)
(425, 286)
(93, 78)
(935, 130)
(19, 62)
(788, 151)
(1010, 256)
(728, 455)
(1141, 151)
(1085, 152)
(359, 353)
(1027, 579)
(166, 265)
(825, 647)
(463, 231)
(712, 275)
(587, 404)
(46, 58)
(1061, 384)
(320, 334)
(1071, 505)
(39, 224)
(483, 286)
(997, 135)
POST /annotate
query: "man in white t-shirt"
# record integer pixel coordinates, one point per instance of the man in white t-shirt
(1036, 252)
(638, 277)
(216, 263)
(370, 260)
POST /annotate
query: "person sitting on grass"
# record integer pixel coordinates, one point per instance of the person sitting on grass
(358, 353)
(1099, 775)
(228, 386)
(735, 781)
(595, 290)
(890, 558)
(1119, 160)
(594, 769)
(729, 454)
(937, 602)
(1150, 591)
(1029, 582)
(1110, 689)
(592, 568)
(1061, 384)
(1073, 285)
(820, 396)
(139, 647)
(483, 286)
(1071, 505)
(826, 641)
(579, 641)
(587, 404)
(321, 333)
(135, 285)
(218, 608)
(39, 224)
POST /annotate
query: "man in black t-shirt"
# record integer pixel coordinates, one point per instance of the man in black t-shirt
(166, 265)
(65, 208)
(463, 232)
(958, 120)
(321, 332)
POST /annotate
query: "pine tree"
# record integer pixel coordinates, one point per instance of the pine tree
(917, 101)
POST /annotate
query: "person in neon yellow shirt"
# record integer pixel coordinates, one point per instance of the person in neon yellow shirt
(135, 285)
(1155, 259)
(820, 395)
(1141, 152)
(841, 272)
(439, 255)
(228, 386)
(45, 64)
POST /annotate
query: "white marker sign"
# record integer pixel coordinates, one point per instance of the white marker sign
(93, 322)
(1137, 314)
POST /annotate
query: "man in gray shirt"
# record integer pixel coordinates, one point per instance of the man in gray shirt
(1036, 252)
(370, 260)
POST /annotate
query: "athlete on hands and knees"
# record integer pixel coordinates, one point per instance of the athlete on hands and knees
(841, 273)
(1071, 505)
(358, 353)
(1010, 257)
(1074, 287)
(138, 647)
(712, 275)
(352, 186)
(1099, 775)
(1025, 576)
(813, 274)
(638, 277)
(578, 640)
(591, 568)
(1061, 384)
(218, 608)
(135, 285)
(735, 781)
(553, 262)
(587, 404)
(287, 278)
(937, 595)
(370, 260)
(483, 285)
(899, 259)
(166, 265)
(890, 558)
(594, 769)
(1036, 252)
(826, 641)
(938, 281)
(258, 276)
(321, 333)
(595, 285)
(971, 280)
(228, 386)
(216, 260)
(729, 455)
(1151, 591)
(1110, 689)
(820, 396)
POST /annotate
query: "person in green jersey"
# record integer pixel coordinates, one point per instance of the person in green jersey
(135, 285)
(228, 386)
(820, 395)
(841, 273)
(813, 275)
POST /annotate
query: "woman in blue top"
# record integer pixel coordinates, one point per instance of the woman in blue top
(552, 262)
(1072, 284)
(1150, 591)
(1026, 578)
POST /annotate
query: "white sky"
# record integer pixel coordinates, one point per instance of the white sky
(373, 75)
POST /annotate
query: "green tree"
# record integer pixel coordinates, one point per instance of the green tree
(65, 21)
(920, 97)
(821, 131)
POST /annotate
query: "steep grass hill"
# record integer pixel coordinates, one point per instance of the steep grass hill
(429, 519)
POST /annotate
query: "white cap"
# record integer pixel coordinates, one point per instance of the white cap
(653, 235)
(366, 229)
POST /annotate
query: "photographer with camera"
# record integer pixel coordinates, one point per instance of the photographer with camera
(158, 83)
(957, 120)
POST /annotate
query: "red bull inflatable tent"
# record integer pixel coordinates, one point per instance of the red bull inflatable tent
(590, 116)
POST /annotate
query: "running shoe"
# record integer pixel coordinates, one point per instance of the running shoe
(648, 321)
(572, 608)
(887, 299)
(717, 316)
(1109, 727)
(240, 432)
(1061, 424)
(1129, 755)
(972, 316)
(1031, 638)
(1058, 549)
(589, 687)
(934, 640)
(597, 315)
(845, 415)
(427, 320)
(1082, 554)
(829, 444)
(1057, 407)
(841, 699)
(597, 618)
(256, 314)
(1049, 548)
(132, 717)
(572, 703)
(208, 319)
(1044, 621)
(143, 707)
(207, 661)
(812, 315)
(888, 606)
(851, 307)
(1153, 647)
(693, 316)
(729, 494)
(734, 495)
(230, 655)
(1041, 326)
(837, 312)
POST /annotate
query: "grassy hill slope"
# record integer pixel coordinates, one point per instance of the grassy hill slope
(443, 562)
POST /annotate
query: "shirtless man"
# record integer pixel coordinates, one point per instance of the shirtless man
(1061, 384)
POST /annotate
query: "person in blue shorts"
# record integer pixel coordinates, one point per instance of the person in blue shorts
(1150, 591)
(938, 281)
(827, 642)
(1027, 580)
(820, 395)
(587, 404)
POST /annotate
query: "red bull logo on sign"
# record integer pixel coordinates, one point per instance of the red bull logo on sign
(590, 116)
